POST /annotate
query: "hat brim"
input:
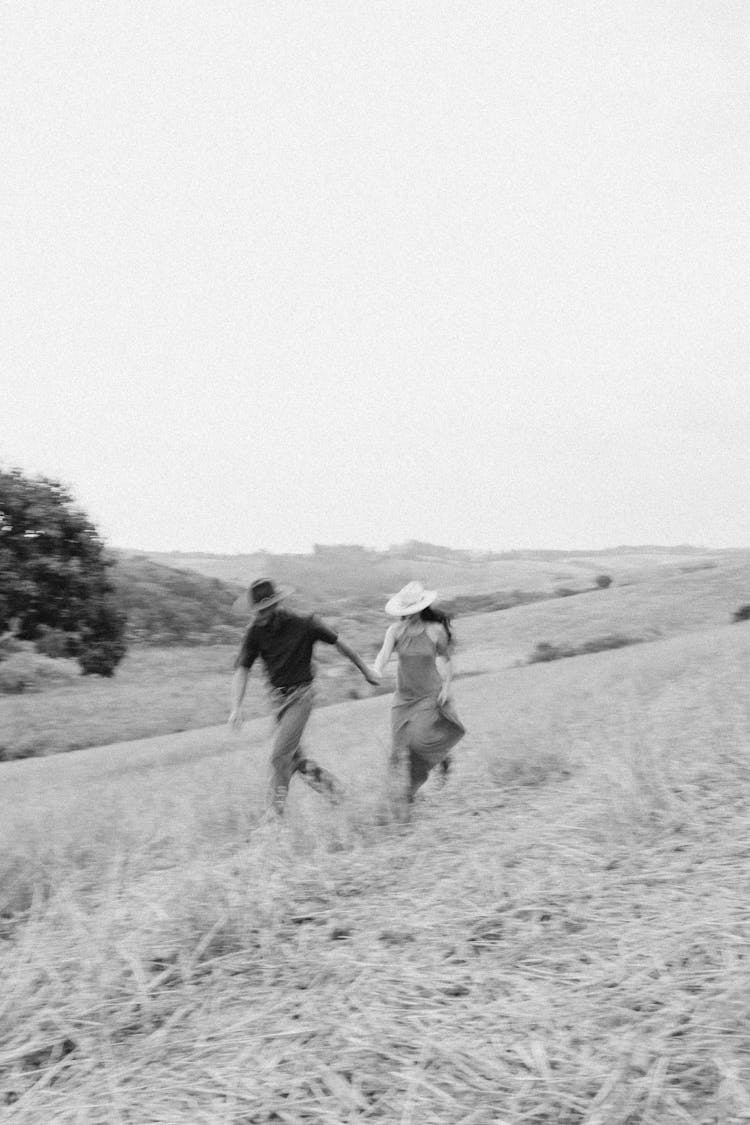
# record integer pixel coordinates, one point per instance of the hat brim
(243, 603)
(396, 608)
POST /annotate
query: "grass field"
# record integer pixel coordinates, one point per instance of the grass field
(159, 691)
(155, 691)
(561, 935)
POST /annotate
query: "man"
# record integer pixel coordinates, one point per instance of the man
(284, 641)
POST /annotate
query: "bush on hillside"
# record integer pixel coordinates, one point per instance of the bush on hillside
(545, 652)
(101, 659)
(30, 671)
(742, 614)
(52, 642)
(603, 581)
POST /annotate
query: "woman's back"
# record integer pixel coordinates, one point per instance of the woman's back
(417, 675)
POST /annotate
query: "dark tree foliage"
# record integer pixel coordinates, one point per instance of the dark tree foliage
(54, 573)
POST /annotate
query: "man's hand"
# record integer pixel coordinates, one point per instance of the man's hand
(444, 694)
(235, 719)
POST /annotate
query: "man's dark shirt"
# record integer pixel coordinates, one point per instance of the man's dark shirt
(285, 644)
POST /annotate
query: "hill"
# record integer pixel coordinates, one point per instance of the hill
(160, 690)
(166, 606)
(332, 572)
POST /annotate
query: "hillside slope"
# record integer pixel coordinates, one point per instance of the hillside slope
(158, 691)
(657, 605)
(168, 606)
(352, 572)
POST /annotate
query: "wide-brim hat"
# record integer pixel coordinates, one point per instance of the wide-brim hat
(411, 599)
(261, 594)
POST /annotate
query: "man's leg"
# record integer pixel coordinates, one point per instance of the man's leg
(288, 757)
(285, 757)
(319, 779)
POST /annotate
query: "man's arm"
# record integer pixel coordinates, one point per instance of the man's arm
(246, 657)
(239, 684)
(357, 661)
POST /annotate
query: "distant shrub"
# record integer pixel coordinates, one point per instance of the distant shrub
(545, 652)
(101, 659)
(30, 671)
(611, 640)
(10, 644)
(603, 581)
(742, 614)
(565, 592)
(52, 642)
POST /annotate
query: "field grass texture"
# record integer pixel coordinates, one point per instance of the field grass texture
(561, 935)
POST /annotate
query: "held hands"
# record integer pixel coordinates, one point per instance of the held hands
(235, 719)
(444, 694)
(371, 676)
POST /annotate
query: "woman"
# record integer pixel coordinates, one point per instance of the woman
(424, 725)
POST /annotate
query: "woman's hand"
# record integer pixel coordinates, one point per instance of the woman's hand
(444, 694)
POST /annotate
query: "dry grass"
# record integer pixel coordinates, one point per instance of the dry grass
(561, 936)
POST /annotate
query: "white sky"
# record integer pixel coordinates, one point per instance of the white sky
(476, 272)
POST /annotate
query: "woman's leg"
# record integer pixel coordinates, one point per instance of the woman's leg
(398, 768)
(444, 768)
(419, 771)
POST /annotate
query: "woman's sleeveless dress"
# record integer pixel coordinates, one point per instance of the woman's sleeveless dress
(419, 724)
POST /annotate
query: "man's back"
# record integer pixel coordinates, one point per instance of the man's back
(284, 641)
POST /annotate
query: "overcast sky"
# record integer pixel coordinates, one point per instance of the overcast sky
(277, 273)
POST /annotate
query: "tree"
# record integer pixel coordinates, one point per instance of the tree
(54, 573)
(603, 581)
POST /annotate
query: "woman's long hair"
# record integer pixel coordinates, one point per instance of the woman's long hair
(437, 615)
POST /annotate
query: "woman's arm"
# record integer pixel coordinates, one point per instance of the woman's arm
(444, 666)
(386, 652)
(443, 661)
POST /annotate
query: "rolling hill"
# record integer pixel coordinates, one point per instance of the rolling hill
(334, 572)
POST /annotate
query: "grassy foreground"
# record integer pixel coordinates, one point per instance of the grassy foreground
(561, 936)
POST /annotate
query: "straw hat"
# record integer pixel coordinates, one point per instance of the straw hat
(262, 595)
(411, 599)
